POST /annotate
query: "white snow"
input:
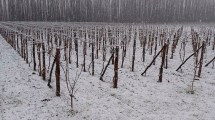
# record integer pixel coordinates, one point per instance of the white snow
(25, 96)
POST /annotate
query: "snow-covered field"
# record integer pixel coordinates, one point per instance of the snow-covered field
(25, 96)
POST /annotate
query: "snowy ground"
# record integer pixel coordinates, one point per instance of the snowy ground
(25, 95)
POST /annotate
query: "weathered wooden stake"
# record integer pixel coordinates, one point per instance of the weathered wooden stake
(34, 58)
(144, 48)
(39, 58)
(57, 71)
(162, 63)
(76, 50)
(115, 81)
(44, 62)
(201, 59)
(93, 59)
(133, 56)
(84, 53)
(26, 50)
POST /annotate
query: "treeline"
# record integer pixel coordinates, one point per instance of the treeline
(108, 10)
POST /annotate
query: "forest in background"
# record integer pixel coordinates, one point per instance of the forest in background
(108, 10)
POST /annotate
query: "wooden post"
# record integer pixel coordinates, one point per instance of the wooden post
(112, 49)
(123, 54)
(34, 58)
(144, 48)
(188, 58)
(26, 49)
(97, 48)
(65, 47)
(162, 63)
(70, 50)
(155, 52)
(17, 43)
(92, 59)
(39, 58)
(152, 61)
(213, 48)
(84, 53)
(173, 47)
(104, 50)
(14, 41)
(210, 62)
(44, 63)
(76, 50)
(151, 46)
(103, 72)
(57, 71)
(167, 51)
(21, 45)
(116, 68)
(133, 56)
(201, 59)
